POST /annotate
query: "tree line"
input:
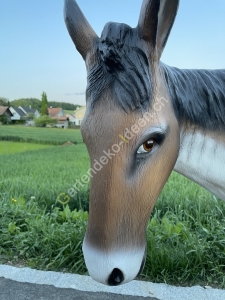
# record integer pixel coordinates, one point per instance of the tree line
(37, 103)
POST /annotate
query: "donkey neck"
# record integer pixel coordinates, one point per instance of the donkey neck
(202, 158)
(198, 98)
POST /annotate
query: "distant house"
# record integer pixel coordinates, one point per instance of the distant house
(63, 122)
(79, 114)
(17, 114)
(5, 114)
(30, 111)
(55, 112)
(71, 118)
(25, 114)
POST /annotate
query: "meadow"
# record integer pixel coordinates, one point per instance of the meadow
(45, 174)
(55, 136)
(185, 234)
(14, 147)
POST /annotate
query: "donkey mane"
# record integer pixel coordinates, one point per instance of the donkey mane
(121, 67)
(198, 96)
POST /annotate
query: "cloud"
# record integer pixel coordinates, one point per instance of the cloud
(76, 94)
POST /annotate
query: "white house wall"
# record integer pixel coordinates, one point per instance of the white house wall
(16, 116)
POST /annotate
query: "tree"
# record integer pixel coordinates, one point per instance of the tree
(44, 104)
(3, 101)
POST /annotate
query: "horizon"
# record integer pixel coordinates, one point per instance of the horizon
(50, 105)
(37, 52)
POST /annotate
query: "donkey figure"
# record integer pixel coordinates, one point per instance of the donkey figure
(143, 119)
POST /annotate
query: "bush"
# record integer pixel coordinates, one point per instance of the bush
(19, 122)
(43, 121)
(3, 119)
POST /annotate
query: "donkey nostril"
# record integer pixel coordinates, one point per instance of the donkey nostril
(116, 277)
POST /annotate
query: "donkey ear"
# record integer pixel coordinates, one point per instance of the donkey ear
(78, 27)
(156, 21)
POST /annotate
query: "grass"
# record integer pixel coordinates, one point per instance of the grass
(46, 241)
(55, 136)
(185, 238)
(7, 148)
(45, 174)
(185, 235)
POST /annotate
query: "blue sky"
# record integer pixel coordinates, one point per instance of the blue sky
(36, 53)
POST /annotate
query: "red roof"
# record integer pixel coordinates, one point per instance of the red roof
(63, 118)
(3, 109)
(53, 112)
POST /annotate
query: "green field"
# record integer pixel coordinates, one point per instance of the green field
(15, 147)
(44, 173)
(185, 234)
(40, 135)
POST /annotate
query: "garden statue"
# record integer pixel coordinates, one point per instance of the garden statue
(143, 119)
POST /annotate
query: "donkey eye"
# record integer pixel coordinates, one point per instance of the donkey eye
(147, 146)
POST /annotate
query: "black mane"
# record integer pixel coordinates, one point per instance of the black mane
(198, 96)
(122, 67)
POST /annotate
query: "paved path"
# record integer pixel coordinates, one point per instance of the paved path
(13, 290)
(29, 284)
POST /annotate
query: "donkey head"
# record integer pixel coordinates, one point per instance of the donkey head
(130, 131)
